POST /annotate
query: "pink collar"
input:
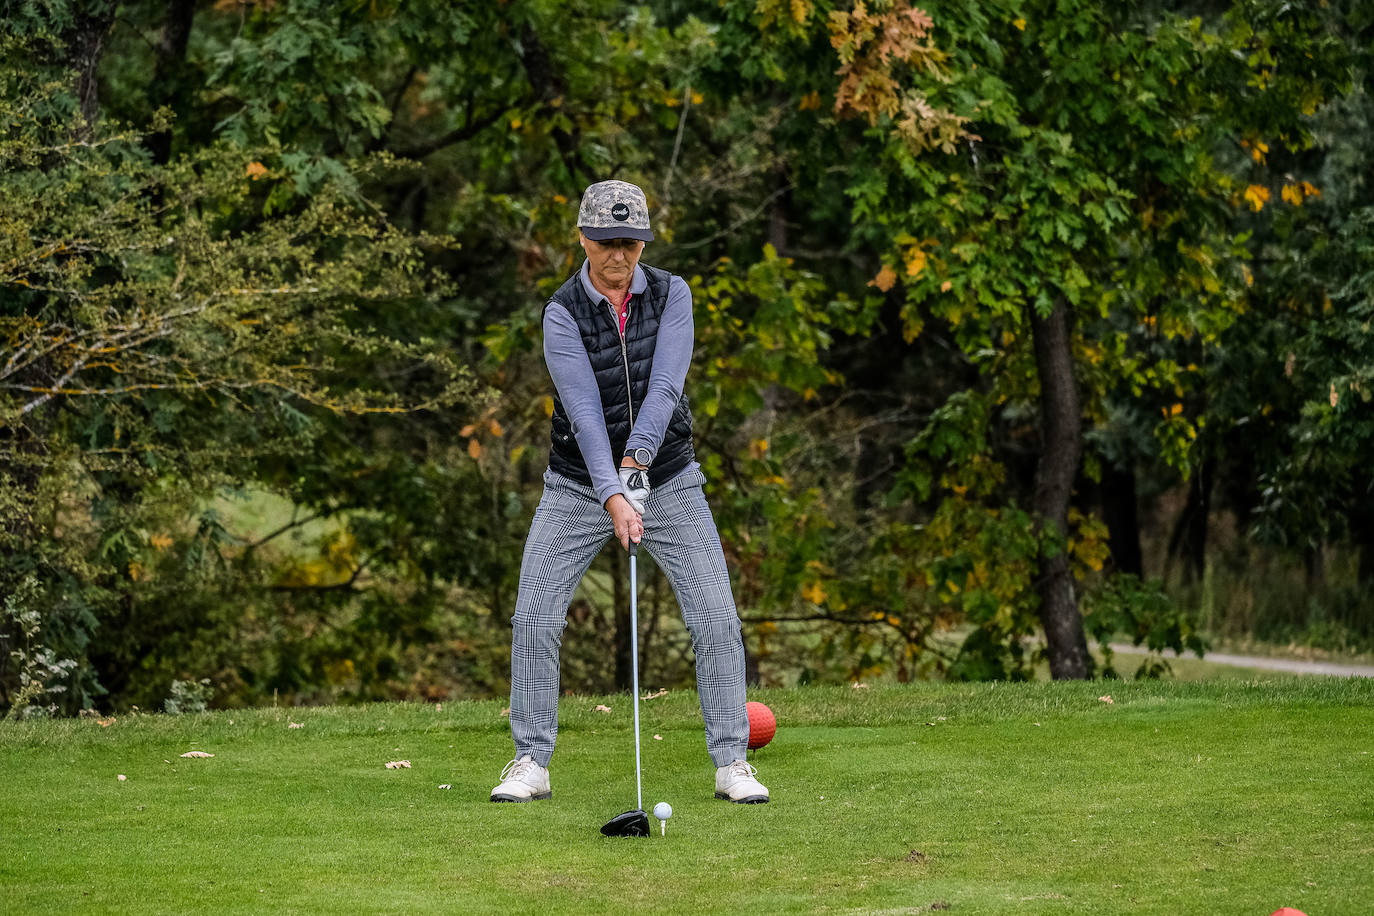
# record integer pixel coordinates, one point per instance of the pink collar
(624, 311)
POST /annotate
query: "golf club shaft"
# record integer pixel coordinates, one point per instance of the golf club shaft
(634, 661)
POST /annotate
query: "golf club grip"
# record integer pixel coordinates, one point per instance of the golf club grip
(634, 548)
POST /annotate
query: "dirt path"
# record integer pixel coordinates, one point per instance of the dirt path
(1291, 665)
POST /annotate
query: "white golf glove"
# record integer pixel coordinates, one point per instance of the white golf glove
(634, 483)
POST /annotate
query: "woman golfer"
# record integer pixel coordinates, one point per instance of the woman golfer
(618, 341)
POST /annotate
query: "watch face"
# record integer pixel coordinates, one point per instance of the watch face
(642, 456)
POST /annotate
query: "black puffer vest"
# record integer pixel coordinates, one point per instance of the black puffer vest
(601, 336)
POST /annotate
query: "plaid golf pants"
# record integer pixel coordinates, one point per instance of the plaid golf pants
(569, 529)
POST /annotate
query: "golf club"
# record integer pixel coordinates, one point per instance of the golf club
(636, 822)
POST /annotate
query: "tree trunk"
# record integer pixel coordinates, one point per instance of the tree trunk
(1189, 539)
(1061, 445)
(751, 665)
(85, 41)
(778, 214)
(548, 84)
(1362, 529)
(1119, 510)
(168, 86)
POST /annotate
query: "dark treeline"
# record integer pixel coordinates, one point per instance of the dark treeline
(1021, 327)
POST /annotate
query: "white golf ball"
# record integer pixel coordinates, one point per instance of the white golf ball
(663, 811)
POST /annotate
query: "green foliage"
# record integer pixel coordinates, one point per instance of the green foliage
(241, 440)
(39, 672)
(188, 696)
(1101, 179)
(167, 332)
(1144, 614)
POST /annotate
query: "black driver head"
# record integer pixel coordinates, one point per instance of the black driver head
(631, 823)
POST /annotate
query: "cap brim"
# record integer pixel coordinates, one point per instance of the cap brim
(617, 232)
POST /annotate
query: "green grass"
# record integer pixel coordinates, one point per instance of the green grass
(1232, 797)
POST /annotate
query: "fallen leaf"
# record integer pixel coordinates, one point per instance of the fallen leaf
(445, 786)
(438, 707)
(654, 696)
(398, 764)
(602, 708)
(122, 777)
(857, 686)
(1107, 699)
(506, 711)
(295, 725)
(197, 754)
(105, 723)
(658, 737)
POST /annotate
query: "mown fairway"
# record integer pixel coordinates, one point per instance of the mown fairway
(1219, 798)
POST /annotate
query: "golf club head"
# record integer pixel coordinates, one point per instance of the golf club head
(631, 823)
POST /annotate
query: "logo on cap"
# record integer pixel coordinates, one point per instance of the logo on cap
(620, 212)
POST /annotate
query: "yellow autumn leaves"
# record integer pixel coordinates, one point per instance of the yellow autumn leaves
(672, 101)
(1257, 195)
(487, 424)
(916, 261)
(137, 571)
(1296, 193)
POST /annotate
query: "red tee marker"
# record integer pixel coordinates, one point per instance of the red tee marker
(762, 725)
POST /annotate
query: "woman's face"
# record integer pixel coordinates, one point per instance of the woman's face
(612, 262)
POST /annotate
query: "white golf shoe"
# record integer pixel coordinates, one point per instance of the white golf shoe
(736, 783)
(521, 781)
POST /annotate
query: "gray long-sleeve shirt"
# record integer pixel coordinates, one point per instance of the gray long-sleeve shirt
(571, 370)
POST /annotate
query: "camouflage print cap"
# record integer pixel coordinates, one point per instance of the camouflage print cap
(614, 210)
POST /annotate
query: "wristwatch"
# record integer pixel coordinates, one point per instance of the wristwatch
(640, 455)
